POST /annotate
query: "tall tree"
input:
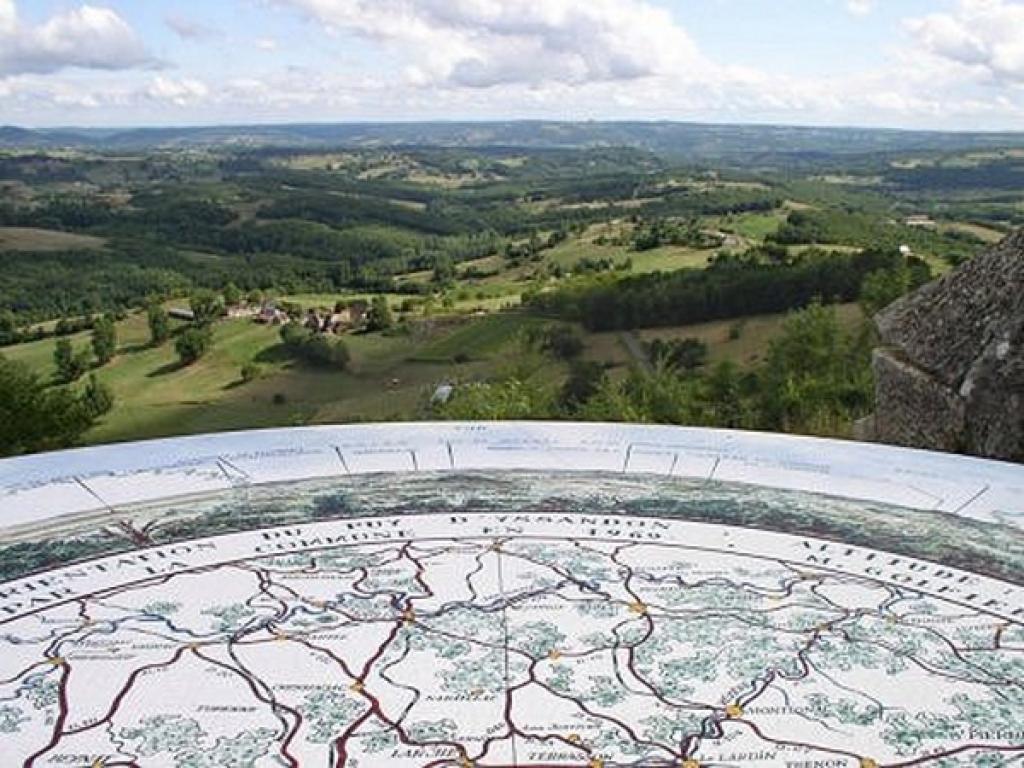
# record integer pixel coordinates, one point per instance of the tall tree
(379, 317)
(104, 339)
(206, 307)
(232, 295)
(562, 342)
(70, 365)
(508, 399)
(723, 396)
(34, 417)
(97, 397)
(816, 377)
(64, 361)
(8, 328)
(444, 270)
(193, 343)
(159, 323)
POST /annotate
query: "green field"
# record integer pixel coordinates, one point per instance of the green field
(664, 259)
(390, 376)
(315, 226)
(986, 234)
(328, 300)
(747, 350)
(42, 240)
(481, 339)
(754, 226)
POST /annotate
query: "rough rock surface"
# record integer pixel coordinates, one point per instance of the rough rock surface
(950, 373)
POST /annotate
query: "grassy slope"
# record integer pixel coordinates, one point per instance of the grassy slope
(156, 397)
(754, 226)
(746, 351)
(988, 234)
(390, 377)
(41, 240)
(663, 259)
(482, 339)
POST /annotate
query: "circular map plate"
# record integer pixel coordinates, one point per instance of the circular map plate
(510, 595)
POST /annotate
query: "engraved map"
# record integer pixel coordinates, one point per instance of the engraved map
(500, 619)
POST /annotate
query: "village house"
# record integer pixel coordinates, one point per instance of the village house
(344, 318)
(269, 314)
(920, 220)
(242, 310)
(353, 315)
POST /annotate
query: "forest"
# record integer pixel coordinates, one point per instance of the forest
(743, 285)
(672, 284)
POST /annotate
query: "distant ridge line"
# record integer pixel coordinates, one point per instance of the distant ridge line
(681, 139)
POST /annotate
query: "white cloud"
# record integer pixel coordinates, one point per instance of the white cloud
(87, 36)
(567, 59)
(190, 29)
(8, 17)
(181, 92)
(595, 58)
(482, 43)
(987, 35)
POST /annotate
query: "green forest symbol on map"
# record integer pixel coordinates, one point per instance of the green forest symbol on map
(482, 652)
(498, 651)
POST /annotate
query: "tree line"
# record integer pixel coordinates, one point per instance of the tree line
(815, 379)
(726, 289)
(35, 416)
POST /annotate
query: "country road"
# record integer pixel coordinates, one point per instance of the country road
(637, 351)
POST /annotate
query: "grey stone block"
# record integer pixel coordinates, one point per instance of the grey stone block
(950, 375)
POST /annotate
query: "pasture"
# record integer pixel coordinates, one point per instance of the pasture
(29, 239)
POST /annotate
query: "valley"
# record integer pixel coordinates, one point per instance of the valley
(537, 281)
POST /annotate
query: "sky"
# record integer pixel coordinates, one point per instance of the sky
(935, 64)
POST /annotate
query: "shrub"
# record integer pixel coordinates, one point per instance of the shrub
(250, 372)
(679, 354)
(562, 342)
(104, 339)
(70, 366)
(98, 399)
(206, 306)
(36, 417)
(379, 317)
(314, 348)
(159, 323)
(193, 343)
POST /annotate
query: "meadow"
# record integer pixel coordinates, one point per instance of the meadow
(459, 242)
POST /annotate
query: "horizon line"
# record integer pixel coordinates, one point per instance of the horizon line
(506, 121)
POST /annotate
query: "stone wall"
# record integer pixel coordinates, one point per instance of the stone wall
(950, 373)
